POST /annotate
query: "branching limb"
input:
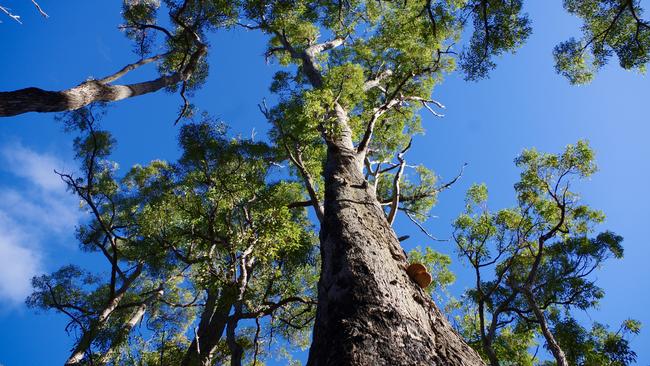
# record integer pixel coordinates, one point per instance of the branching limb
(296, 159)
(10, 14)
(141, 26)
(39, 100)
(373, 83)
(128, 68)
(395, 100)
(396, 184)
(426, 194)
(271, 307)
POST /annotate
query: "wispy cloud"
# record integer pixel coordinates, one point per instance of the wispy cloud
(19, 261)
(36, 211)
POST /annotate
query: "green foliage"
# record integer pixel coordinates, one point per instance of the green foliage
(597, 346)
(499, 27)
(173, 233)
(215, 224)
(609, 28)
(543, 254)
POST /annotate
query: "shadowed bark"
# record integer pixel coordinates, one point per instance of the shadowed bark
(369, 311)
(214, 319)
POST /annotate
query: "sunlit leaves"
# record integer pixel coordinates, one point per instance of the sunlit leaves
(543, 245)
(598, 345)
(609, 28)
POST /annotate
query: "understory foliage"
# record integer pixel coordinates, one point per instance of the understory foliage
(213, 258)
(534, 266)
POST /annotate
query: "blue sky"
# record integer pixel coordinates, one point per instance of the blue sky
(523, 104)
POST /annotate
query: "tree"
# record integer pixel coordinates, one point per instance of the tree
(209, 241)
(358, 73)
(104, 312)
(543, 256)
(610, 26)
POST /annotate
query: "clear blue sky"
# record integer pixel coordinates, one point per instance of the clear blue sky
(523, 104)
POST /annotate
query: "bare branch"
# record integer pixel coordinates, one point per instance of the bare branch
(396, 185)
(142, 26)
(296, 159)
(10, 14)
(129, 68)
(186, 104)
(373, 83)
(40, 10)
(314, 50)
(419, 225)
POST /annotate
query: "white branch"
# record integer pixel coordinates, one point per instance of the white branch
(373, 83)
(396, 187)
(10, 14)
(40, 10)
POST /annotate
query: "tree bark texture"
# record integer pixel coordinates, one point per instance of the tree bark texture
(26, 100)
(38, 100)
(214, 319)
(369, 311)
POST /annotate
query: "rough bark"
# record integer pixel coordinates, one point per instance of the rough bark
(26, 100)
(214, 319)
(38, 100)
(369, 311)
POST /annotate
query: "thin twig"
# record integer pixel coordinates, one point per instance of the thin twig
(40, 10)
(416, 222)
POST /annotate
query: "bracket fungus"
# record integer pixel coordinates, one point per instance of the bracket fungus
(418, 273)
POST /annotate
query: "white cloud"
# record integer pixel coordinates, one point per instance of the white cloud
(36, 211)
(35, 167)
(18, 262)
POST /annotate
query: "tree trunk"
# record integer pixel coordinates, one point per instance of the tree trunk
(552, 344)
(211, 326)
(369, 311)
(127, 327)
(486, 340)
(88, 336)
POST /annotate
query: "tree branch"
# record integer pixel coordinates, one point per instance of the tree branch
(396, 187)
(39, 100)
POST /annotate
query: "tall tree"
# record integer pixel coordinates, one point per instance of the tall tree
(103, 309)
(358, 73)
(543, 254)
(208, 242)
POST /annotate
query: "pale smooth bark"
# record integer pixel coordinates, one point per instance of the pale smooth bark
(32, 99)
(135, 318)
(44, 101)
(85, 341)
